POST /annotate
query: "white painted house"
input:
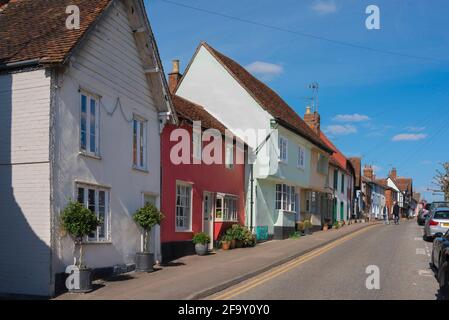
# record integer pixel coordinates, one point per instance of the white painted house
(284, 148)
(81, 115)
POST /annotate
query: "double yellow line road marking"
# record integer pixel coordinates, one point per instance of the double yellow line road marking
(240, 289)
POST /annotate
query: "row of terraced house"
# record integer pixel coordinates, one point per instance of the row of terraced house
(88, 114)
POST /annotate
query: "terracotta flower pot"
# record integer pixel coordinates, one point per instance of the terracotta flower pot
(226, 245)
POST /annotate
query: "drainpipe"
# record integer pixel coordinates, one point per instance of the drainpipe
(252, 198)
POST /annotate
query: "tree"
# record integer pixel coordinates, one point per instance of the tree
(148, 217)
(79, 222)
(442, 179)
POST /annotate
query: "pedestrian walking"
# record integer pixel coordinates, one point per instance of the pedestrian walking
(396, 213)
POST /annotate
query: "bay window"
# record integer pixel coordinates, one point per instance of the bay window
(226, 208)
(285, 198)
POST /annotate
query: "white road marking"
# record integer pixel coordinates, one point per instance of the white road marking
(421, 251)
(425, 273)
(418, 239)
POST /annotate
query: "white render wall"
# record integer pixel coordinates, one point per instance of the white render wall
(209, 84)
(25, 183)
(107, 65)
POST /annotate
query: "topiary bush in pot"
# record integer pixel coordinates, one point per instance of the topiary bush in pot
(146, 217)
(79, 222)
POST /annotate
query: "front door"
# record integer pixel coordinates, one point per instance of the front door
(208, 216)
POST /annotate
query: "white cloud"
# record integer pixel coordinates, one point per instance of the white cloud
(351, 117)
(415, 129)
(265, 70)
(340, 130)
(409, 137)
(324, 7)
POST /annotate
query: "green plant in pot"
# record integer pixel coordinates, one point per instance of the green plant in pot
(326, 224)
(300, 226)
(307, 227)
(146, 217)
(201, 241)
(336, 225)
(79, 222)
(226, 242)
(249, 239)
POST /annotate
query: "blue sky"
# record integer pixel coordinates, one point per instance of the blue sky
(390, 109)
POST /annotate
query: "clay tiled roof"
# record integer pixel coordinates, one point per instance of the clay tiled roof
(337, 158)
(36, 29)
(190, 111)
(404, 184)
(268, 99)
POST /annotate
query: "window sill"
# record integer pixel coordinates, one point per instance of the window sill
(284, 162)
(91, 156)
(225, 221)
(184, 231)
(140, 169)
(97, 242)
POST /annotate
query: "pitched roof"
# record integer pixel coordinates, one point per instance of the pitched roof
(337, 158)
(36, 29)
(268, 99)
(193, 112)
(404, 184)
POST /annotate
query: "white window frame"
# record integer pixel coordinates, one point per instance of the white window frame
(301, 158)
(285, 198)
(107, 213)
(197, 144)
(140, 154)
(90, 97)
(189, 227)
(283, 149)
(229, 209)
(229, 155)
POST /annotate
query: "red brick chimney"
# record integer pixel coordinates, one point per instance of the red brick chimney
(174, 77)
(313, 120)
(368, 172)
(394, 173)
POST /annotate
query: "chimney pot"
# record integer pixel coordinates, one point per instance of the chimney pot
(175, 66)
(174, 77)
(313, 120)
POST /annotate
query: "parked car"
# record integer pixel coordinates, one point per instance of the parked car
(437, 222)
(439, 204)
(440, 261)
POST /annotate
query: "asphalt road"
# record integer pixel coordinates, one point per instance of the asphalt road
(339, 272)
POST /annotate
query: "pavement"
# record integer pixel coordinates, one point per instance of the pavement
(196, 277)
(339, 272)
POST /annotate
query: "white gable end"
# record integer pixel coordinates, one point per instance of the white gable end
(209, 84)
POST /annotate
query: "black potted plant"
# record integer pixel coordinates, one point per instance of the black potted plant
(146, 217)
(201, 241)
(79, 222)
